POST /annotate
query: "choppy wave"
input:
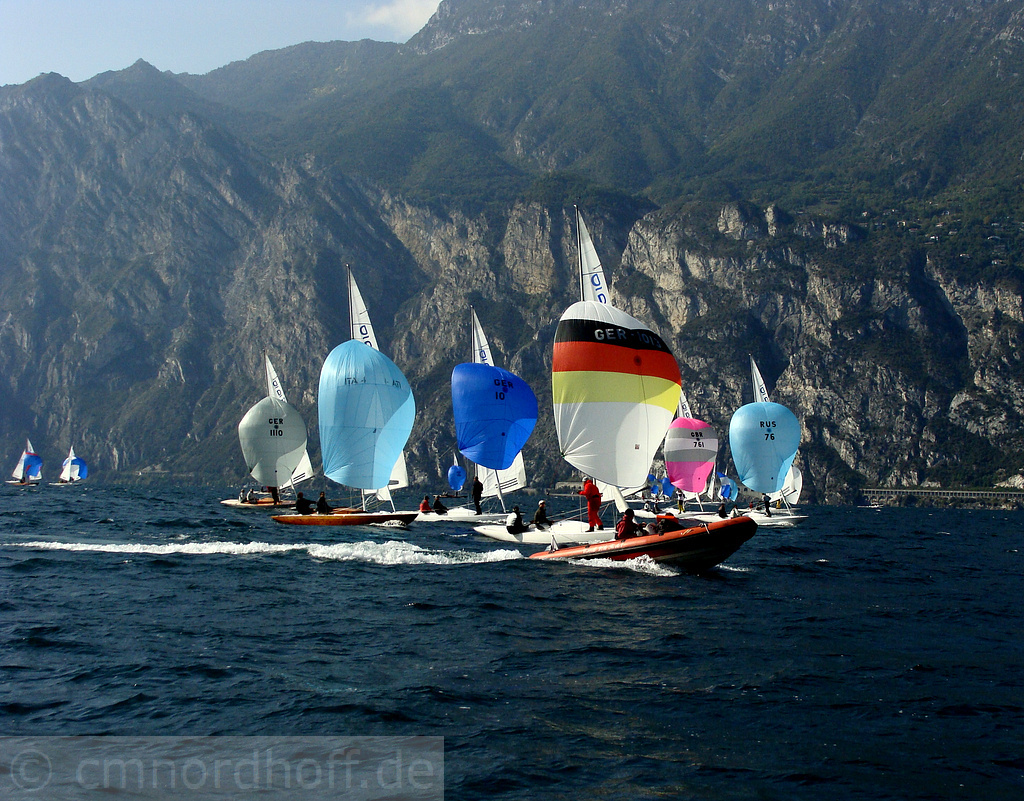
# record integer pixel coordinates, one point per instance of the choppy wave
(382, 553)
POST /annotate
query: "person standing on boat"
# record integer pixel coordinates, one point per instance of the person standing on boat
(627, 527)
(304, 506)
(767, 504)
(274, 495)
(540, 517)
(478, 493)
(593, 496)
(322, 507)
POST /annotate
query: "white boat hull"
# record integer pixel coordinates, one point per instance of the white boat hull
(564, 532)
(465, 515)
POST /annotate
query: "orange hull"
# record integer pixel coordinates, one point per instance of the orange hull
(695, 548)
(346, 517)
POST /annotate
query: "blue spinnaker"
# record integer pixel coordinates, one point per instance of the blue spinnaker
(495, 412)
(456, 477)
(764, 438)
(366, 412)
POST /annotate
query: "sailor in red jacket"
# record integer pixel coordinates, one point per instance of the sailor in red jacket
(593, 496)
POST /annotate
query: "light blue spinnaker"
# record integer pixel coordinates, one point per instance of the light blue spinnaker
(366, 412)
(764, 438)
(495, 412)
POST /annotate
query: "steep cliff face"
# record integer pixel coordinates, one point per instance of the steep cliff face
(897, 375)
(147, 259)
(147, 263)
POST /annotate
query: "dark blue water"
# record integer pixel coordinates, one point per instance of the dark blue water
(865, 654)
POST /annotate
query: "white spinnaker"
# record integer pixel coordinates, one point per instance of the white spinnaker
(273, 439)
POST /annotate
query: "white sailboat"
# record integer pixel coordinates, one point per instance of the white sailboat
(272, 435)
(29, 469)
(72, 470)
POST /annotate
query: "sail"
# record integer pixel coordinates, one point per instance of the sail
(760, 391)
(366, 414)
(684, 406)
(691, 447)
(74, 468)
(481, 349)
(304, 470)
(727, 488)
(358, 316)
(274, 388)
(791, 488)
(273, 439)
(456, 475)
(495, 412)
(29, 466)
(764, 438)
(615, 387)
(501, 482)
(593, 285)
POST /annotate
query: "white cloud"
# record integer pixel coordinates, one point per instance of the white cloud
(405, 17)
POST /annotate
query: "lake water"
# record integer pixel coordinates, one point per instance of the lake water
(864, 654)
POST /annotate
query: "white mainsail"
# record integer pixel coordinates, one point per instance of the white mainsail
(760, 391)
(593, 285)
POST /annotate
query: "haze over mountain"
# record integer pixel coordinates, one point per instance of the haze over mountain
(832, 187)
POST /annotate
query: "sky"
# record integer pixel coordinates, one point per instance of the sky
(82, 38)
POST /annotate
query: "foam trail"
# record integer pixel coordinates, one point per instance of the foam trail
(381, 553)
(641, 564)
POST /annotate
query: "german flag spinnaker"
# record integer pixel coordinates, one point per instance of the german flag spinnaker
(615, 388)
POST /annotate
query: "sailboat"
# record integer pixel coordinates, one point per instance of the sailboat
(272, 435)
(29, 469)
(764, 438)
(72, 470)
(366, 412)
(765, 451)
(495, 413)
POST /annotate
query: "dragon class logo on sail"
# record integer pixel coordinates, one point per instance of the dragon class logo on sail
(363, 334)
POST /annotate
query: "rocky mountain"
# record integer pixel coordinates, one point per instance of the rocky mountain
(831, 187)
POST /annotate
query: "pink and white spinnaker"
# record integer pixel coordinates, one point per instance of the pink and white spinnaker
(691, 447)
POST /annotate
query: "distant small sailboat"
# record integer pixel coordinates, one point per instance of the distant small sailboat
(29, 469)
(72, 470)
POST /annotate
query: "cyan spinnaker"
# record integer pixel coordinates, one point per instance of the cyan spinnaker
(764, 438)
(495, 412)
(615, 388)
(366, 412)
(691, 447)
(726, 488)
